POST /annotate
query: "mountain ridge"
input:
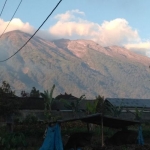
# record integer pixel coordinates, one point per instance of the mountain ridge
(74, 66)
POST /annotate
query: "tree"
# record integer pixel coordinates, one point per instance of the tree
(9, 104)
(24, 94)
(34, 92)
(48, 100)
(6, 91)
(8, 101)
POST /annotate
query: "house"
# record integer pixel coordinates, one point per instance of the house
(35, 106)
(130, 107)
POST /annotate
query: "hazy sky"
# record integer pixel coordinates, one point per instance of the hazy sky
(107, 22)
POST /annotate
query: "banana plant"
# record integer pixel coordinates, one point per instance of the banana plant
(96, 106)
(114, 111)
(48, 100)
(117, 111)
(138, 113)
(74, 106)
(91, 108)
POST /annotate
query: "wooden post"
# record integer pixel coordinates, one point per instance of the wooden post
(102, 123)
(102, 130)
(88, 128)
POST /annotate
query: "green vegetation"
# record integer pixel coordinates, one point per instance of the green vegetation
(12, 141)
(74, 105)
(48, 100)
(95, 107)
(28, 132)
(30, 136)
(112, 110)
(6, 91)
(95, 73)
(34, 92)
(138, 114)
(7, 105)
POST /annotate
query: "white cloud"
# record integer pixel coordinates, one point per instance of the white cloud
(16, 24)
(71, 29)
(69, 15)
(117, 32)
(140, 47)
(114, 32)
(77, 12)
(72, 25)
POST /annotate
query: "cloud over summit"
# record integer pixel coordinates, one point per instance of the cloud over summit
(114, 32)
(73, 25)
(16, 24)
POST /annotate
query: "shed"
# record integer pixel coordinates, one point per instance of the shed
(108, 121)
(128, 103)
(136, 109)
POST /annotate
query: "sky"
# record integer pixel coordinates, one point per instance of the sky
(108, 22)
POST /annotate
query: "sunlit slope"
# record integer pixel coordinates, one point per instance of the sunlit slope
(77, 67)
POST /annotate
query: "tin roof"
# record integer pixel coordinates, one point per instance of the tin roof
(126, 102)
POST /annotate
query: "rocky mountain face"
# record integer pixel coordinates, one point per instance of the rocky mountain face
(77, 67)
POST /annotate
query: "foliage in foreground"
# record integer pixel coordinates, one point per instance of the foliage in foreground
(13, 140)
(8, 106)
(96, 107)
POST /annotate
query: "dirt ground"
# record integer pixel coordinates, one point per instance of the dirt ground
(97, 146)
(122, 147)
(126, 147)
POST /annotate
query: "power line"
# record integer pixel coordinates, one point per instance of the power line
(3, 8)
(34, 32)
(11, 19)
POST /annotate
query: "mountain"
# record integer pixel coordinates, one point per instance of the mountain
(74, 66)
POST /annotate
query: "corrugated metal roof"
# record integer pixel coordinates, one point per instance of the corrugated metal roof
(126, 102)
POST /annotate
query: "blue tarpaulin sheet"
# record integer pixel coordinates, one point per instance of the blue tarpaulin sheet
(53, 140)
(140, 136)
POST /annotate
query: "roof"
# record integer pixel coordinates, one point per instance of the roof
(66, 96)
(126, 102)
(108, 121)
(35, 103)
(28, 103)
(60, 104)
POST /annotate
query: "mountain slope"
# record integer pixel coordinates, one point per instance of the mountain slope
(77, 67)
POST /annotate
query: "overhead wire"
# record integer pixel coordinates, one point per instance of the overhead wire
(11, 18)
(33, 34)
(3, 8)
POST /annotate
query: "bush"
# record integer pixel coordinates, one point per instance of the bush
(30, 119)
(13, 140)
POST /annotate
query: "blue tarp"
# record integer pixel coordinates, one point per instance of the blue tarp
(140, 136)
(53, 140)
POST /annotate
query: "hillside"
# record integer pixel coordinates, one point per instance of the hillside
(77, 67)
